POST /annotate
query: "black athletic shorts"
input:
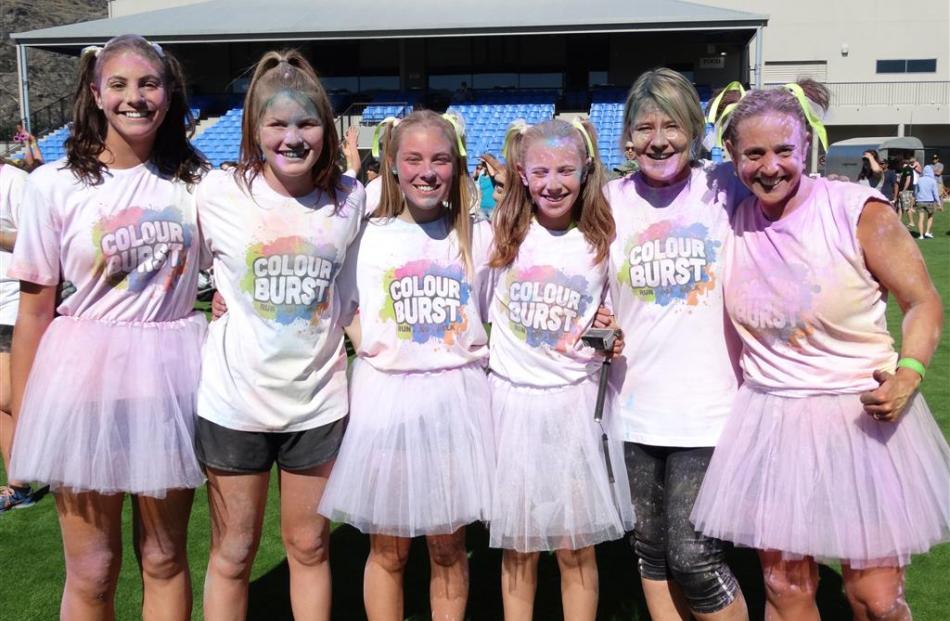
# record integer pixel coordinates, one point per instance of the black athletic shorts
(232, 450)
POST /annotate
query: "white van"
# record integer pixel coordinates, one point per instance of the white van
(844, 157)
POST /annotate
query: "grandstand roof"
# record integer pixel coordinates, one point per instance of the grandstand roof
(287, 20)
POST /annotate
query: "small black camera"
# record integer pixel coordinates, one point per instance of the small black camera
(601, 339)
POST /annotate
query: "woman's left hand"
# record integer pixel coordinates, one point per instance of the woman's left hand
(888, 401)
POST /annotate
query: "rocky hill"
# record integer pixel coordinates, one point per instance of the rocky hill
(51, 75)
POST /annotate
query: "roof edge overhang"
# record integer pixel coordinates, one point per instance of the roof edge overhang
(52, 42)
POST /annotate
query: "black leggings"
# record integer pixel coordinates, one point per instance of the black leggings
(664, 483)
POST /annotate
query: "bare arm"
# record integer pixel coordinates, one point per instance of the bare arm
(37, 305)
(7, 240)
(354, 332)
(894, 260)
(350, 149)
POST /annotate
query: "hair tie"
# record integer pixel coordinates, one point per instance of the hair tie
(518, 126)
(158, 48)
(721, 120)
(814, 120)
(714, 104)
(95, 50)
(459, 131)
(377, 133)
(576, 122)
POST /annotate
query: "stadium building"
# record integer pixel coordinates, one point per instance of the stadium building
(889, 71)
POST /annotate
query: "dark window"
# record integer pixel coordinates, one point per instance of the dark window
(924, 65)
(918, 65)
(891, 66)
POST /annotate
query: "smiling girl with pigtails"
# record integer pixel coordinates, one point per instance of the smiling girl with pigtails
(416, 459)
(273, 382)
(104, 394)
(552, 491)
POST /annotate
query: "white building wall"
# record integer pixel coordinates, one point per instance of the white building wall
(844, 39)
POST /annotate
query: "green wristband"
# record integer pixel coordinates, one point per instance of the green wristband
(914, 365)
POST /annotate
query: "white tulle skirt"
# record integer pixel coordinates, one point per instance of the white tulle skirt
(417, 455)
(110, 407)
(816, 476)
(551, 485)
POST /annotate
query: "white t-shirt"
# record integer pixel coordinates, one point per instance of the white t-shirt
(418, 309)
(541, 304)
(374, 190)
(129, 245)
(679, 372)
(12, 180)
(275, 361)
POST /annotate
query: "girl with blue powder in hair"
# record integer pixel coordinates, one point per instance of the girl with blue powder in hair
(273, 383)
(552, 491)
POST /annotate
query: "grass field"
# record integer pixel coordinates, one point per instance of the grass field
(31, 570)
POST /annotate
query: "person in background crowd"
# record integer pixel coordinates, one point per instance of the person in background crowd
(15, 494)
(905, 188)
(938, 173)
(871, 173)
(927, 200)
(889, 182)
(629, 163)
(32, 155)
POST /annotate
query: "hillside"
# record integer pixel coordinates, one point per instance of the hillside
(51, 75)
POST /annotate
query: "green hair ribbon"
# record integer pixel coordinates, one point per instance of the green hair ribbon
(377, 133)
(454, 120)
(576, 122)
(817, 126)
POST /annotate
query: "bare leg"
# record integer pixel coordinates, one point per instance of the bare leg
(383, 577)
(448, 586)
(579, 583)
(7, 424)
(91, 524)
(790, 588)
(236, 503)
(161, 530)
(876, 594)
(306, 536)
(665, 601)
(519, 583)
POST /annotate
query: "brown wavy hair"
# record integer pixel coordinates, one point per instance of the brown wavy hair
(172, 153)
(287, 70)
(461, 194)
(512, 218)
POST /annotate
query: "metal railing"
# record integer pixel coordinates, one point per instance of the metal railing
(889, 93)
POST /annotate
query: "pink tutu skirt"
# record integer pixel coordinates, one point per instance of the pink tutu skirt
(551, 488)
(110, 407)
(818, 477)
(417, 455)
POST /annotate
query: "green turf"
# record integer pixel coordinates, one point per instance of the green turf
(31, 570)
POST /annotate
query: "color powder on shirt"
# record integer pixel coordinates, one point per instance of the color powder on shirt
(670, 263)
(544, 304)
(426, 301)
(780, 310)
(135, 244)
(289, 279)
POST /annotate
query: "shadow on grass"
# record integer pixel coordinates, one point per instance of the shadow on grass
(621, 598)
